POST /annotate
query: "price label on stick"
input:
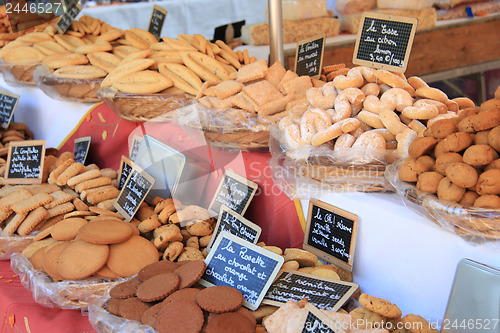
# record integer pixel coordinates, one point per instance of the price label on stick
(69, 16)
(25, 162)
(331, 234)
(81, 148)
(384, 41)
(126, 166)
(235, 192)
(309, 56)
(134, 148)
(157, 20)
(8, 103)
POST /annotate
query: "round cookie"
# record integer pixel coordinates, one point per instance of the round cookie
(125, 289)
(421, 146)
(428, 161)
(417, 324)
(187, 294)
(149, 316)
(494, 138)
(381, 306)
(106, 273)
(81, 259)
(190, 272)
(365, 318)
(457, 142)
(444, 160)
(128, 257)
(468, 198)
(487, 201)
(303, 257)
(132, 308)
(37, 259)
(164, 266)
(158, 287)
(448, 191)
(50, 258)
(219, 299)
(410, 169)
(489, 182)
(107, 231)
(479, 155)
(429, 181)
(113, 306)
(179, 316)
(67, 229)
(442, 128)
(461, 174)
(229, 323)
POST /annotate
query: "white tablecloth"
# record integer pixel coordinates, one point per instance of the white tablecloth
(402, 256)
(184, 16)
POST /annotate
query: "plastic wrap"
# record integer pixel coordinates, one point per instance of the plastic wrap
(143, 107)
(18, 74)
(64, 294)
(228, 128)
(302, 9)
(10, 244)
(477, 225)
(405, 4)
(104, 322)
(307, 172)
(77, 90)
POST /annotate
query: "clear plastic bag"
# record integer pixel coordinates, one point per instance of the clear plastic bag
(63, 294)
(307, 172)
(10, 244)
(18, 74)
(76, 90)
(104, 322)
(476, 225)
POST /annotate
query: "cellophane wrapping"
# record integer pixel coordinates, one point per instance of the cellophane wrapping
(18, 74)
(59, 294)
(10, 244)
(474, 224)
(308, 172)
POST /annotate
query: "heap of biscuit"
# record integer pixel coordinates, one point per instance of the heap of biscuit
(165, 296)
(367, 108)
(457, 158)
(15, 132)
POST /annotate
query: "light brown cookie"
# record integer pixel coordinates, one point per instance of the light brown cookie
(106, 231)
(128, 257)
(379, 305)
(303, 257)
(81, 259)
(31, 221)
(417, 324)
(67, 229)
(364, 318)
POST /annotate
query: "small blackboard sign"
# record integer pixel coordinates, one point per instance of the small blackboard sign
(69, 16)
(81, 149)
(8, 103)
(315, 321)
(309, 56)
(235, 224)
(134, 148)
(331, 233)
(242, 265)
(235, 192)
(126, 166)
(133, 193)
(25, 162)
(157, 20)
(324, 293)
(228, 32)
(384, 41)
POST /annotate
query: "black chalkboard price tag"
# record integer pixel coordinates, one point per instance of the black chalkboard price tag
(126, 166)
(324, 293)
(134, 148)
(133, 193)
(235, 224)
(315, 321)
(25, 162)
(157, 20)
(235, 192)
(384, 41)
(331, 233)
(81, 148)
(8, 103)
(236, 263)
(69, 16)
(309, 56)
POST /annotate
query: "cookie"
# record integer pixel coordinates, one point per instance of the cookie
(445, 159)
(59, 197)
(67, 229)
(487, 201)
(125, 289)
(128, 257)
(37, 259)
(410, 170)
(51, 257)
(189, 253)
(230, 322)
(461, 174)
(158, 287)
(81, 259)
(35, 246)
(479, 155)
(132, 308)
(113, 306)
(304, 258)
(448, 191)
(417, 324)
(421, 146)
(187, 294)
(489, 182)
(13, 222)
(429, 181)
(29, 204)
(149, 316)
(380, 306)
(179, 316)
(219, 299)
(190, 273)
(31, 221)
(365, 318)
(106, 231)
(164, 266)
(105, 212)
(106, 273)
(81, 177)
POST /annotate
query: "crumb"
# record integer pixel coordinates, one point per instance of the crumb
(12, 320)
(8, 281)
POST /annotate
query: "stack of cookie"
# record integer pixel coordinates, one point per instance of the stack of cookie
(165, 296)
(15, 132)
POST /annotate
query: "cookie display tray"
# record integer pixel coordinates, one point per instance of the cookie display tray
(71, 295)
(478, 225)
(10, 244)
(18, 74)
(75, 90)
(144, 107)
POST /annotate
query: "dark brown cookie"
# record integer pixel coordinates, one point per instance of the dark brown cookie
(158, 287)
(219, 299)
(132, 308)
(164, 266)
(229, 323)
(149, 316)
(179, 317)
(190, 272)
(248, 315)
(125, 289)
(113, 306)
(187, 294)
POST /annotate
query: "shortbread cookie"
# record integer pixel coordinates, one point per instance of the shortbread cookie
(60, 197)
(60, 209)
(31, 221)
(51, 257)
(13, 223)
(128, 257)
(67, 229)
(81, 259)
(29, 204)
(303, 257)
(106, 231)
(380, 306)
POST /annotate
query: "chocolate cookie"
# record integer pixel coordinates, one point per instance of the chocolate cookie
(219, 299)
(125, 289)
(113, 306)
(190, 272)
(132, 308)
(164, 266)
(149, 316)
(229, 323)
(158, 287)
(179, 317)
(187, 294)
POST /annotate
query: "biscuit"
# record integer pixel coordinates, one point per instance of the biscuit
(428, 181)
(61, 166)
(380, 306)
(92, 183)
(67, 229)
(325, 272)
(12, 223)
(125, 69)
(179, 316)
(304, 258)
(201, 71)
(51, 257)
(494, 138)
(14, 197)
(442, 128)
(210, 64)
(139, 38)
(59, 197)
(80, 205)
(457, 142)
(132, 308)
(159, 267)
(448, 191)
(189, 253)
(479, 155)
(190, 273)
(219, 299)
(158, 287)
(31, 221)
(417, 324)
(487, 201)
(421, 146)
(107, 204)
(461, 174)
(489, 182)
(128, 257)
(410, 169)
(81, 177)
(106, 231)
(49, 222)
(23, 55)
(227, 322)
(364, 318)
(143, 82)
(480, 122)
(125, 289)
(29, 204)
(468, 198)
(173, 251)
(60, 209)
(149, 316)
(81, 259)
(149, 224)
(37, 260)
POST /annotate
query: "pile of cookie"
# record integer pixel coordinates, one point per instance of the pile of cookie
(165, 296)
(457, 159)
(15, 132)
(366, 108)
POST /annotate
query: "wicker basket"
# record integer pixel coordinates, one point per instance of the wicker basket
(144, 107)
(18, 74)
(239, 139)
